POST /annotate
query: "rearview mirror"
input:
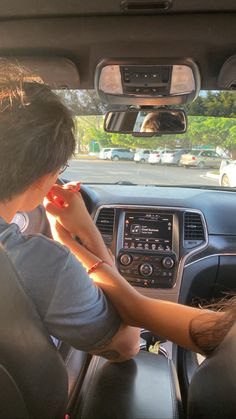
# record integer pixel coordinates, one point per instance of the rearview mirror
(146, 123)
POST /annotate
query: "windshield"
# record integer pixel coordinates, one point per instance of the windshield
(103, 157)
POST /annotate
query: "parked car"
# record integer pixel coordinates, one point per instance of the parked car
(120, 154)
(142, 156)
(173, 156)
(155, 156)
(228, 173)
(201, 159)
(103, 153)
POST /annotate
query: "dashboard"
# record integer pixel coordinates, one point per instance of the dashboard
(172, 243)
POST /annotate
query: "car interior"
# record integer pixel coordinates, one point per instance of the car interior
(141, 57)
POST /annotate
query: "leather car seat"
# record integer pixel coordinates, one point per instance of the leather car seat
(212, 391)
(33, 377)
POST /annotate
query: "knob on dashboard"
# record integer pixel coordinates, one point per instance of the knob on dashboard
(125, 259)
(168, 262)
(146, 269)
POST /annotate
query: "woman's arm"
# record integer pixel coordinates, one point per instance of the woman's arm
(164, 318)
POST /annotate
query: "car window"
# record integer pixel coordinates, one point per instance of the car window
(211, 133)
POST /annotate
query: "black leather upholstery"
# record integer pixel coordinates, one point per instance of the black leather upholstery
(212, 391)
(76, 363)
(144, 387)
(33, 378)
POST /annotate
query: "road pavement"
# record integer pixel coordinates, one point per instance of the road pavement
(100, 171)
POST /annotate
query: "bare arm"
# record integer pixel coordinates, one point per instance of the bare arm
(123, 346)
(125, 343)
(161, 317)
(164, 318)
(75, 218)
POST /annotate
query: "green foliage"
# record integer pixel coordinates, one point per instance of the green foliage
(201, 131)
(204, 130)
(219, 104)
(211, 120)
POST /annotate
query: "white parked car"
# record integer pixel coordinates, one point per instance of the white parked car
(141, 156)
(120, 154)
(228, 173)
(103, 153)
(155, 156)
(173, 156)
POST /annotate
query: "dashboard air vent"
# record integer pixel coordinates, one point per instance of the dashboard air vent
(105, 224)
(193, 229)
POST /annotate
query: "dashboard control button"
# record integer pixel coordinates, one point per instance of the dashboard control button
(146, 269)
(125, 259)
(168, 262)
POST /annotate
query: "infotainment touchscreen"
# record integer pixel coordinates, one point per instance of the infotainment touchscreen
(148, 231)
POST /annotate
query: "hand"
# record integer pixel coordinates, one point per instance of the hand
(69, 210)
(68, 207)
(59, 233)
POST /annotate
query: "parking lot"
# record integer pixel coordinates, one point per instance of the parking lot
(101, 171)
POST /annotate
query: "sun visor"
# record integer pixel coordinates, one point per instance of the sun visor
(57, 72)
(227, 76)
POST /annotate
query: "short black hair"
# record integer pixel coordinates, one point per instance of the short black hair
(36, 130)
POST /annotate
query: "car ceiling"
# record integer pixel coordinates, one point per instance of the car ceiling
(87, 32)
(44, 8)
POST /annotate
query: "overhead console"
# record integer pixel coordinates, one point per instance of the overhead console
(147, 83)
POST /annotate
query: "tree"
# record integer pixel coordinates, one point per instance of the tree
(221, 104)
(211, 121)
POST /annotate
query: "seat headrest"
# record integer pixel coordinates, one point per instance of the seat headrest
(212, 392)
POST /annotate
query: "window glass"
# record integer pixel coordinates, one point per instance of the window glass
(211, 133)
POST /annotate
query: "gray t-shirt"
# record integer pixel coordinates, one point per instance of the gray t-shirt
(72, 308)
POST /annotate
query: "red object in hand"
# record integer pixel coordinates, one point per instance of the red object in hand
(57, 200)
(74, 188)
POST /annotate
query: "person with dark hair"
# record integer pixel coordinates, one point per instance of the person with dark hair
(151, 122)
(36, 141)
(163, 121)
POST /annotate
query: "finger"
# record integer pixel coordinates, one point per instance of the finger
(52, 208)
(55, 199)
(71, 185)
(65, 194)
(74, 188)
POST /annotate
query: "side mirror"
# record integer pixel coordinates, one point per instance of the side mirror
(146, 123)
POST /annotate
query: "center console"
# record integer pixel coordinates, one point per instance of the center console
(147, 256)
